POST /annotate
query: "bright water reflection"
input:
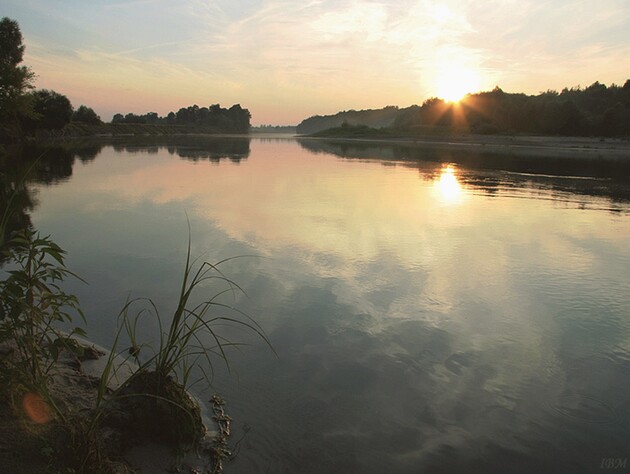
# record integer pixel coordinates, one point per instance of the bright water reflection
(430, 314)
(448, 185)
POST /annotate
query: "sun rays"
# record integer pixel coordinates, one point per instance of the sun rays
(455, 81)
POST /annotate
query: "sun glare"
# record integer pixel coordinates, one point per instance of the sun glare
(449, 189)
(455, 82)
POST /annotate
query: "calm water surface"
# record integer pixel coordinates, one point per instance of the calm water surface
(432, 311)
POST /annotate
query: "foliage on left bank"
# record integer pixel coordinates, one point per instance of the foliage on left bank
(25, 111)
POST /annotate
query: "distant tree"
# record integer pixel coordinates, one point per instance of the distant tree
(53, 111)
(595, 110)
(596, 88)
(203, 116)
(130, 118)
(213, 118)
(86, 115)
(571, 121)
(15, 80)
(183, 116)
(615, 121)
(240, 118)
(151, 117)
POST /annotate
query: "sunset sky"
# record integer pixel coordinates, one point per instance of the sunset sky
(286, 60)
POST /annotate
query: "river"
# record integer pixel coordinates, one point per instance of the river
(431, 310)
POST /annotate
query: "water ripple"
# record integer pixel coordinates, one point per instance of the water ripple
(585, 408)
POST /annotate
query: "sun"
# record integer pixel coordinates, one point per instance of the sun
(454, 82)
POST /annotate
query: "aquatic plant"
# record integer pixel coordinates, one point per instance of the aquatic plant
(188, 339)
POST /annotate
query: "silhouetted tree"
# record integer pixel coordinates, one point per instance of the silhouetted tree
(151, 117)
(53, 111)
(15, 80)
(596, 110)
(183, 116)
(213, 118)
(86, 115)
(133, 118)
(239, 117)
(377, 118)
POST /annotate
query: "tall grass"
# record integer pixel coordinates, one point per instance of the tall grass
(183, 340)
(188, 342)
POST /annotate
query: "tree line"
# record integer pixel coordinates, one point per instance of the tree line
(235, 119)
(597, 110)
(25, 111)
(375, 118)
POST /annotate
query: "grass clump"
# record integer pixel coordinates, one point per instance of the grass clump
(156, 393)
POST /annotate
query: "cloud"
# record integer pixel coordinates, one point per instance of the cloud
(534, 46)
(368, 53)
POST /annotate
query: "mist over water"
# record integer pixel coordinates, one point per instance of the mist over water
(432, 311)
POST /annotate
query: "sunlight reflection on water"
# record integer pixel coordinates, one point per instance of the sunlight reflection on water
(450, 190)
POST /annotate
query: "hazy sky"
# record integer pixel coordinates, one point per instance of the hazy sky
(287, 60)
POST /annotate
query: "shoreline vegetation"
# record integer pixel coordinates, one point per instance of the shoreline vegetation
(542, 145)
(57, 415)
(30, 440)
(98, 129)
(595, 111)
(29, 114)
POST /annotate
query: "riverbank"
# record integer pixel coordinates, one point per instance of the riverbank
(559, 146)
(29, 432)
(511, 144)
(106, 130)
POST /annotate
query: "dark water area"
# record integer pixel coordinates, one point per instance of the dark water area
(432, 310)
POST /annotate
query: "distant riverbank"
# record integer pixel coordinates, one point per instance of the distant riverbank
(85, 130)
(512, 144)
(557, 146)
